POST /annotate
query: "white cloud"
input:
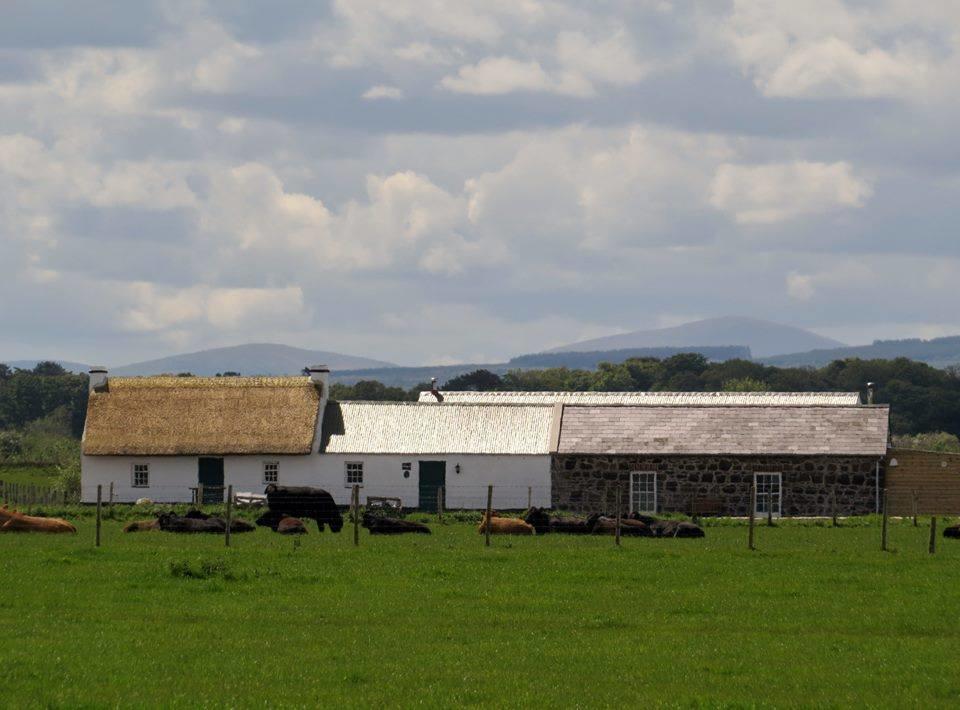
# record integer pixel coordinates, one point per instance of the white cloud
(765, 194)
(381, 91)
(498, 75)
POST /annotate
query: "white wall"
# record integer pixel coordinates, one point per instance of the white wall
(172, 477)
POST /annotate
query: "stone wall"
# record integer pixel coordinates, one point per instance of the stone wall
(588, 483)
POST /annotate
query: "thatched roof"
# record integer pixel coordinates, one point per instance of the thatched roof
(188, 416)
(415, 428)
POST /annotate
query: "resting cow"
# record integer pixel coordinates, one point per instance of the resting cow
(543, 522)
(392, 526)
(304, 502)
(505, 526)
(669, 528)
(952, 531)
(141, 525)
(171, 522)
(600, 524)
(14, 521)
(291, 526)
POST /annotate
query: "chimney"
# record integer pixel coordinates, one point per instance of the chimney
(434, 391)
(98, 378)
(320, 377)
(871, 391)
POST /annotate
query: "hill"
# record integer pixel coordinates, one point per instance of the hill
(764, 338)
(249, 359)
(938, 352)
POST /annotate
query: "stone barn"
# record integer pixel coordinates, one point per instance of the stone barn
(703, 458)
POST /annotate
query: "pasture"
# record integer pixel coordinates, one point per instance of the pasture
(816, 616)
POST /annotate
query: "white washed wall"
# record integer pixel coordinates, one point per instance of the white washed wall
(172, 477)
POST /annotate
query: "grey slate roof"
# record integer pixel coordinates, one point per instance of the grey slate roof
(414, 428)
(700, 399)
(724, 430)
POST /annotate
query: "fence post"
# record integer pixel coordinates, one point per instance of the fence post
(356, 514)
(110, 499)
(529, 497)
(769, 509)
(833, 507)
(933, 534)
(916, 505)
(488, 514)
(883, 541)
(753, 508)
(619, 513)
(439, 504)
(200, 495)
(99, 501)
(229, 515)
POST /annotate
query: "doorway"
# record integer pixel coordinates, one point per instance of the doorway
(433, 475)
(210, 476)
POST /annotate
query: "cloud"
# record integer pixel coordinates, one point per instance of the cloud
(498, 75)
(765, 194)
(381, 91)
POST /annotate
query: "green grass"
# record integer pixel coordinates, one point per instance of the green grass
(29, 474)
(816, 616)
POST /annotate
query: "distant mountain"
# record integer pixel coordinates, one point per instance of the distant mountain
(938, 352)
(407, 377)
(250, 359)
(764, 338)
(77, 367)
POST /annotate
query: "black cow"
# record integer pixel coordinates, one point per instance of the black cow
(271, 520)
(669, 528)
(171, 522)
(304, 502)
(952, 531)
(392, 526)
(544, 522)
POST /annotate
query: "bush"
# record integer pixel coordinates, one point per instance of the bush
(11, 444)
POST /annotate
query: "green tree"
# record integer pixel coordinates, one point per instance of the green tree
(476, 381)
(745, 384)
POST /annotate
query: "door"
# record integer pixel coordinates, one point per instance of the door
(210, 476)
(768, 493)
(433, 475)
(643, 492)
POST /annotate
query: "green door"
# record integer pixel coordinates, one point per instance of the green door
(210, 476)
(433, 475)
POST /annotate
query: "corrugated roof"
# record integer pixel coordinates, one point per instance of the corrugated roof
(155, 416)
(672, 399)
(804, 430)
(414, 428)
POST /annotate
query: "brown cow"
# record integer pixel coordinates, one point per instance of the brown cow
(505, 526)
(141, 525)
(291, 526)
(13, 521)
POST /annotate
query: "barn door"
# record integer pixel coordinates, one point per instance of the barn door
(433, 474)
(210, 476)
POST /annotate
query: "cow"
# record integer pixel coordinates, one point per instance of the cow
(543, 522)
(14, 521)
(171, 522)
(505, 526)
(305, 502)
(669, 528)
(952, 531)
(291, 526)
(271, 520)
(392, 526)
(600, 524)
(141, 525)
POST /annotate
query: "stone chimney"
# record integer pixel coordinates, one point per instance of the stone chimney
(98, 378)
(320, 377)
(871, 392)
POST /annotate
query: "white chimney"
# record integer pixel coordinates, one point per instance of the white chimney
(98, 378)
(320, 377)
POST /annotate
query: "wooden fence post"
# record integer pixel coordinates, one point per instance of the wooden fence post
(769, 509)
(356, 514)
(883, 539)
(619, 513)
(99, 501)
(488, 515)
(529, 497)
(439, 504)
(110, 499)
(833, 507)
(229, 515)
(933, 534)
(916, 505)
(753, 508)
(199, 495)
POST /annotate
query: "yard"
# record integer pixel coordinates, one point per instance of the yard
(816, 616)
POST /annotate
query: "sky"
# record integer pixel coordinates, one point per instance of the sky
(445, 181)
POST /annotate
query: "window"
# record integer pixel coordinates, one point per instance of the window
(643, 492)
(141, 475)
(354, 473)
(768, 492)
(271, 471)
(406, 467)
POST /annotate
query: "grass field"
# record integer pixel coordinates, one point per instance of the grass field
(31, 474)
(816, 616)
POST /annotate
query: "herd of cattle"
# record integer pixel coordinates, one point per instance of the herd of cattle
(289, 506)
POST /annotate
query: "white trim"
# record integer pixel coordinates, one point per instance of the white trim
(634, 477)
(778, 507)
(133, 474)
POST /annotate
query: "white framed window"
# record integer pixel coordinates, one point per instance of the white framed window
(769, 492)
(353, 473)
(643, 492)
(141, 475)
(271, 471)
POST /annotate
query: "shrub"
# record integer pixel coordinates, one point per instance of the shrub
(11, 444)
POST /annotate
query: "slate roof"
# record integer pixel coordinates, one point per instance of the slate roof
(413, 428)
(699, 399)
(186, 416)
(741, 430)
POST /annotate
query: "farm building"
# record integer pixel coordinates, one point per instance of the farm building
(166, 438)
